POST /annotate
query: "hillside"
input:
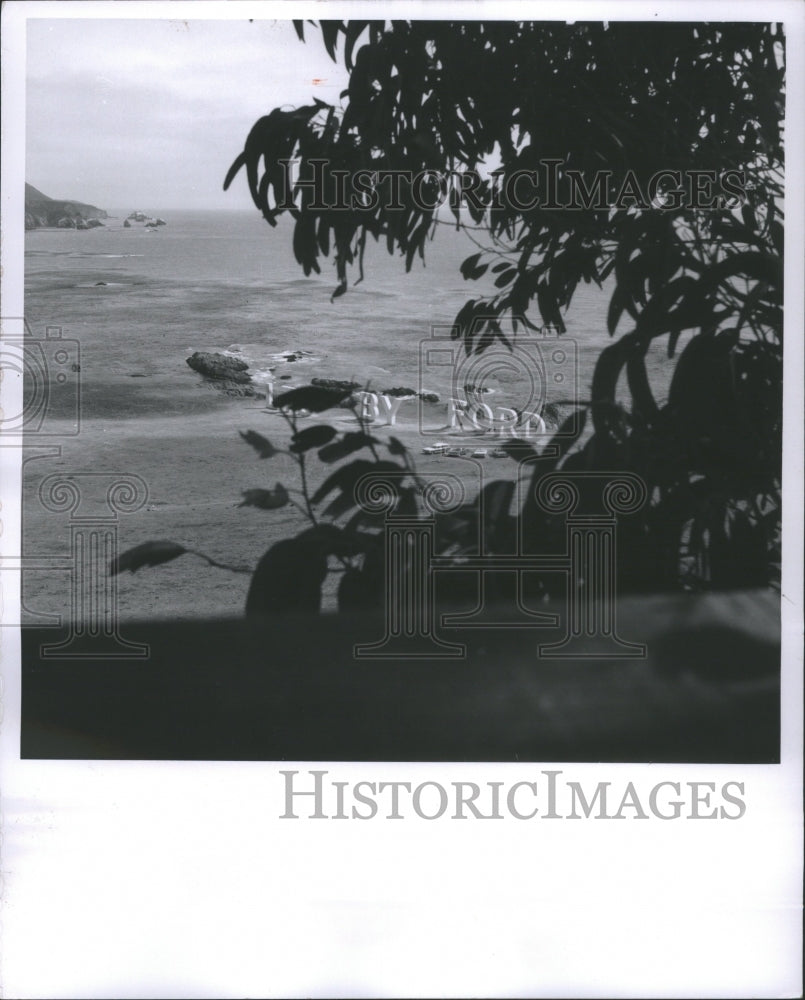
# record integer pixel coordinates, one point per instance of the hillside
(44, 211)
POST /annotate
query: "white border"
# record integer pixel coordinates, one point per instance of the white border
(178, 880)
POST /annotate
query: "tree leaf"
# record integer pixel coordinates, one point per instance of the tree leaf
(469, 265)
(288, 579)
(147, 554)
(329, 32)
(354, 29)
(396, 447)
(349, 443)
(518, 449)
(265, 499)
(315, 398)
(346, 476)
(233, 170)
(471, 270)
(506, 277)
(263, 447)
(312, 437)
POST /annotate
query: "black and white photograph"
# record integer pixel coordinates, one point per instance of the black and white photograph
(442, 403)
(396, 418)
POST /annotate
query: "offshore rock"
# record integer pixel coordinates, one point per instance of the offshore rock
(336, 383)
(230, 375)
(219, 366)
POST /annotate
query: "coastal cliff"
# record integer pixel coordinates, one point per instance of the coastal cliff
(41, 211)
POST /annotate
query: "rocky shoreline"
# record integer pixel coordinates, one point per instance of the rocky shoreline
(472, 415)
(231, 375)
(44, 212)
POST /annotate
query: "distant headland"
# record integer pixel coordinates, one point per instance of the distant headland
(41, 212)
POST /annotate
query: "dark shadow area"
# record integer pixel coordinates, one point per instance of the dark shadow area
(291, 689)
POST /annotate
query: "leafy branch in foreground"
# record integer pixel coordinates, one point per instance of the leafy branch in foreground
(705, 281)
(157, 552)
(344, 535)
(617, 103)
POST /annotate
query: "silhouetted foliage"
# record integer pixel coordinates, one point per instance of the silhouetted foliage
(147, 554)
(627, 99)
(633, 99)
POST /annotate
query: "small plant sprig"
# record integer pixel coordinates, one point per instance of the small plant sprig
(290, 574)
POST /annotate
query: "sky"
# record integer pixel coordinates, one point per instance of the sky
(150, 114)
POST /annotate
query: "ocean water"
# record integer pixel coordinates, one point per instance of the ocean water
(140, 302)
(136, 305)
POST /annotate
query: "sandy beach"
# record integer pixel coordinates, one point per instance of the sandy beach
(196, 467)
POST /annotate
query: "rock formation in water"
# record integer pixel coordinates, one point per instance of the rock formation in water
(230, 375)
(149, 221)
